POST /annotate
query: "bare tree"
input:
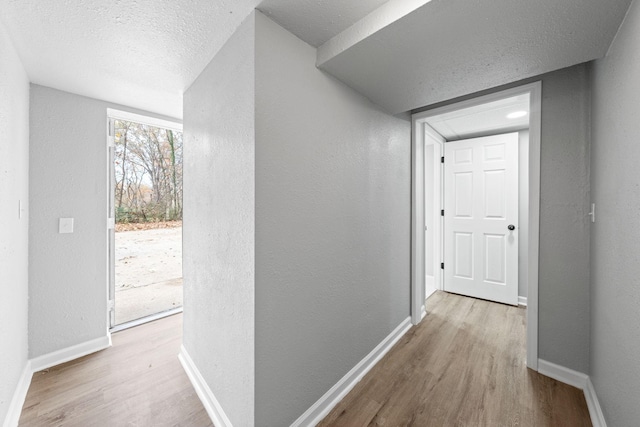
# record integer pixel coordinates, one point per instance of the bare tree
(148, 173)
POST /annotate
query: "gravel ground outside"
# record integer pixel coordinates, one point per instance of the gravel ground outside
(148, 272)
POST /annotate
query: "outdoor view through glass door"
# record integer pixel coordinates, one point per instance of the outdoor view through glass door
(146, 240)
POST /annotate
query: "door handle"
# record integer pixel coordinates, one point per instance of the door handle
(511, 227)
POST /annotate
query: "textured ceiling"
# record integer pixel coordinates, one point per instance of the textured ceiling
(145, 53)
(140, 53)
(450, 48)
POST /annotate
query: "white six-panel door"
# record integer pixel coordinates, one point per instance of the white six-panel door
(480, 206)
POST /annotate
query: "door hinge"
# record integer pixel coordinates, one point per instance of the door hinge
(111, 133)
(111, 223)
(442, 265)
(111, 305)
(442, 159)
(442, 212)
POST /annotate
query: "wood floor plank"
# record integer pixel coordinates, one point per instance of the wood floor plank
(137, 382)
(464, 365)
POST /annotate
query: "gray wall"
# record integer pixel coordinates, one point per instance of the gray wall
(219, 217)
(14, 186)
(615, 252)
(332, 226)
(288, 165)
(67, 178)
(563, 300)
(564, 304)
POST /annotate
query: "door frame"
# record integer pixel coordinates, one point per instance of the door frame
(112, 116)
(534, 90)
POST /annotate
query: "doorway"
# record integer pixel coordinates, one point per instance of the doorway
(476, 118)
(145, 219)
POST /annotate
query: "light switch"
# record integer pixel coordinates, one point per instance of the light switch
(65, 225)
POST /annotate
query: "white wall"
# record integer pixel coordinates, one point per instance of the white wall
(218, 231)
(615, 251)
(67, 178)
(14, 187)
(332, 226)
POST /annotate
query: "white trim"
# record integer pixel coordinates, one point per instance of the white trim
(146, 319)
(423, 312)
(433, 291)
(535, 130)
(595, 411)
(578, 380)
(331, 398)
(522, 301)
(19, 396)
(417, 200)
(562, 374)
(208, 399)
(147, 120)
(47, 361)
(70, 353)
(417, 221)
(113, 114)
(110, 235)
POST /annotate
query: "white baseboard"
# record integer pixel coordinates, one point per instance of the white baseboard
(70, 353)
(331, 398)
(19, 396)
(597, 417)
(578, 380)
(423, 312)
(429, 291)
(47, 361)
(209, 401)
(562, 374)
(522, 301)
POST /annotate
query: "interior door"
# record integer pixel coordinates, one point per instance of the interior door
(480, 217)
(432, 208)
(429, 221)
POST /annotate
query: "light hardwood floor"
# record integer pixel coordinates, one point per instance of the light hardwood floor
(137, 382)
(464, 365)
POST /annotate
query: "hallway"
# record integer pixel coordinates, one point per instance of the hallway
(136, 382)
(464, 365)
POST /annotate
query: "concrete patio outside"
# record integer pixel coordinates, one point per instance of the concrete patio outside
(148, 272)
